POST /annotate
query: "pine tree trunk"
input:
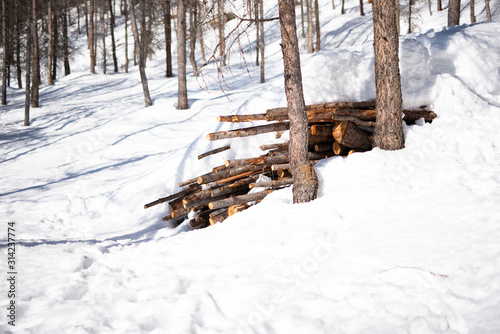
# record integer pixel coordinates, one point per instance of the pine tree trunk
(36, 60)
(18, 46)
(67, 70)
(5, 51)
(112, 30)
(257, 31)
(488, 10)
(182, 98)
(56, 43)
(103, 39)
(91, 36)
(454, 13)
(310, 27)
(472, 12)
(222, 24)
(168, 38)
(439, 5)
(361, 9)
(126, 35)
(192, 35)
(388, 134)
(29, 47)
(342, 10)
(142, 71)
(50, 46)
(318, 30)
(303, 32)
(305, 181)
(262, 43)
(200, 33)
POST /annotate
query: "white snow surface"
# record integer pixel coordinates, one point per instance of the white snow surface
(397, 242)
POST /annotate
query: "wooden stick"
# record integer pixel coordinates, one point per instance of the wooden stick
(224, 203)
(217, 150)
(198, 223)
(355, 120)
(272, 183)
(195, 197)
(187, 183)
(243, 175)
(251, 131)
(219, 218)
(242, 118)
(274, 146)
(178, 194)
(211, 177)
(410, 116)
(218, 191)
(322, 147)
(333, 106)
(261, 160)
(237, 208)
(321, 129)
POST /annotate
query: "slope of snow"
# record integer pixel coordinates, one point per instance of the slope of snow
(397, 242)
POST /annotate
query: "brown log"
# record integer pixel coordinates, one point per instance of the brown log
(219, 191)
(313, 140)
(218, 169)
(187, 183)
(319, 155)
(347, 134)
(195, 197)
(355, 120)
(218, 219)
(242, 118)
(351, 152)
(274, 146)
(261, 160)
(251, 131)
(272, 183)
(410, 116)
(321, 129)
(216, 212)
(178, 194)
(339, 149)
(323, 147)
(211, 177)
(322, 107)
(215, 151)
(199, 223)
(280, 166)
(178, 213)
(224, 203)
(237, 208)
(176, 204)
(243, 175)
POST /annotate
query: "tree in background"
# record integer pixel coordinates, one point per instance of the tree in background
(454, 13)
(5, 45)
(35, 77)
(167, 22)
(305, 180)
(182, 99)
(388, 133)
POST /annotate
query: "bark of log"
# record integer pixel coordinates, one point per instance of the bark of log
(410, 116)
(243, 175)
(203, 194)
(199, 224)
(325, 107)
(178, 218)
(339, 149)
(242, 118)
(321, 130)
(262, 160)
(355, 120)
(176, 204)
(274, 146)
(215, 151)
(219, 218)
(251, 131)
(188, 182)
(323, 147)
(348, 135)
(272, 183)
(178, 213)
(227, 202)
(184, 192)
(233, 187)
(211, 177)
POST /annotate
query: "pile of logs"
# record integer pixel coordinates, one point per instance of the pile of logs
(339, 128)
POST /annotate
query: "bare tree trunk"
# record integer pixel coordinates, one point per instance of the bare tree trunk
(257, 31)
(388, 134)
(67, 70)
(305, 180)
(56, 43)
(112, 30)
(454, 13)
(410, 3)
(5, 51)
(361, 9)
(182, 98)
(50, 47)
(168, 38)
(192, 35)
(430, 7)
(342, 10)
(222, 24)
(488, 10)
(29, 47)
(310, 27)
(262, 42)
(18, 46)
(103, 39)
(91, 37)
(142, 71)
(318, 31)
(439, 5)
(303, 32)
(36, 60)
(126, 35)
(78, 12)
(472, 12)
(200, 32)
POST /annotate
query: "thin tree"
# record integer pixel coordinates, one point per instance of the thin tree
(56, 43)
(318, 32)
(5, 51)
(262, 41)
(182, 98)
(221, 25)
(342, 9)
(27, 98)
(193, 23)
(454, 13)
(126, 35)
(50, 46)
(35, 98)
(388, 134)
(18, 45)
(167, 21)
(305, 180)
(488, 10)
(66, 13)
(112, 31)
(310, 27)
(472, 12)
(103, 37)
(257, 32)
(142, 71)
(361, 9)
(91, 37)
(439, 5)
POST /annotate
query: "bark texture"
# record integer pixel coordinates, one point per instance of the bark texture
(454, 13)
(182, 99)
(388, 134)
(305, 180)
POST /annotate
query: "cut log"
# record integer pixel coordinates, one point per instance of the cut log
(176, 204)
(178, 213)
(351, 152)
(274, 146)
(321, 129)
(217, 150)
(243, 175)
(348, 135)
(272, 183)
(227, 202)
(323, 147)
(410, 116)
(197, 223)
(261, 160)
(271, 114)
(242, 118)
(219, 218)
(187, 183)
(237, 208)
(219, 191)
(211, 177)
(339, 149)
(251, 131)
(195, 197)
(178, 194)
(355, 120)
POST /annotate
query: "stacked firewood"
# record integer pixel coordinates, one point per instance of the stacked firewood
(339, 128)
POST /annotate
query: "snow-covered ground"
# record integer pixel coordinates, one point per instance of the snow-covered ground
(397, 242)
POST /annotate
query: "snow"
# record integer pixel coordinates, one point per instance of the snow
(397, 242)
